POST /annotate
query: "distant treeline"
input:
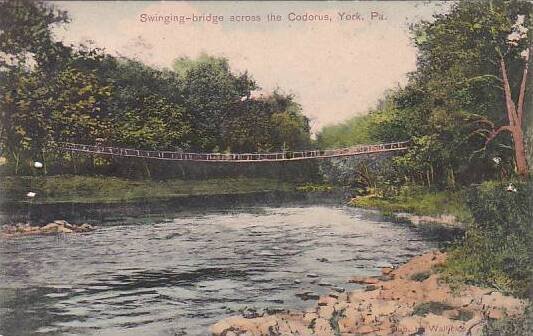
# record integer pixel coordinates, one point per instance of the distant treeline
(51, 92)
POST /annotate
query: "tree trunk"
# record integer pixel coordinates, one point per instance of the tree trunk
(515, 114)
(520, 152)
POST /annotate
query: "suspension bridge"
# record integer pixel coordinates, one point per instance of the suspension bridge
(233, 157)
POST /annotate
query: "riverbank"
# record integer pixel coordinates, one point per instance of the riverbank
(411, 299)
(95, 199)
(104, 189)
(443, 208)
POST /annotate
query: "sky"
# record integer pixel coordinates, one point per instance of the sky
(336, 68)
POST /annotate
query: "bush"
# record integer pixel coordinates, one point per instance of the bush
(495, 250)
(511, 326)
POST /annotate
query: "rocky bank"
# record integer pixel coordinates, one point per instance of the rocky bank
(57, 226)
(408, 300)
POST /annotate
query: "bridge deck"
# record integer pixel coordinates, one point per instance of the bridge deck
(233, 157)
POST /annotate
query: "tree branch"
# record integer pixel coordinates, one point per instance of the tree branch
(511, 108)
(484, 120)
(476, 78)
(498, 131)
(521, 96)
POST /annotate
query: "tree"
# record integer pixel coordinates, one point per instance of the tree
(25, 33)
(290, 128)
(476, 58)
(146, 107)
(354, 131)
(212, 94)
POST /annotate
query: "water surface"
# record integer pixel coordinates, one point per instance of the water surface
(177, 274)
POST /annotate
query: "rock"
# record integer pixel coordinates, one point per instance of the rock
(308, 296)
(386, 270)
(326, 312)
(58, 226)
(496, 314)
(396, 305)
(327, 300)
(366, 329)
(85, 227)
(61, 222)
(52, 227)
(324, 284)
(32, 229)
(62, 229)
(363, 280)
(312, 275)
(338, 289)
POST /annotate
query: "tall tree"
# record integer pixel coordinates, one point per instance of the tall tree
(477, 57)
(212, 94)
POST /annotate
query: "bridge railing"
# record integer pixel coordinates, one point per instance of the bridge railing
(279, 156)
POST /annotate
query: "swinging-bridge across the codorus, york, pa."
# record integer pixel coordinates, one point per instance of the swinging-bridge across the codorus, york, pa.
(232, 157)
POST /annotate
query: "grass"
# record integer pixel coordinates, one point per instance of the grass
(511, 326)
(496, 249)
(100, 189)
(424, 203)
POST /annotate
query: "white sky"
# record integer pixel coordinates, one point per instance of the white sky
(336, 69)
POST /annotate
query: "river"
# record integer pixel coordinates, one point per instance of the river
(176, 274)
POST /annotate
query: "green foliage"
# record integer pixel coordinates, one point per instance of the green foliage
(455, 96)
(211, 93)
(511, 326)
(271, 123)
(354, 131)
(145, 108)
(417, 201)
(495, 251)
(311, 187)
(25, 32)
(290, 128)
(50, 93)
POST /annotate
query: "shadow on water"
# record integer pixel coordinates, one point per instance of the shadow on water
(163, 278)
(26, 310)
(11, 212)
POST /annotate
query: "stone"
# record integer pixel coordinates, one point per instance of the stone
(61, 222)
(363, 280)
(52, 227)
(62, 229)
(308, 296)
(366, 329)
(389, 308)
(496, 314)
(85, 227)
(386, 270)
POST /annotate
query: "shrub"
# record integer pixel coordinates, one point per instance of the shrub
(420, 276)
(511, 326)
(495, 250)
